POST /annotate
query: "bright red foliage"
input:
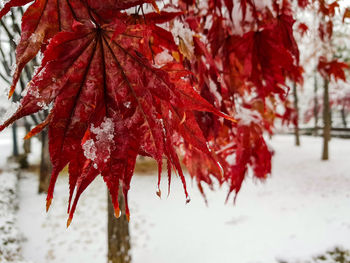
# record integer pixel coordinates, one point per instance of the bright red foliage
(211, 97)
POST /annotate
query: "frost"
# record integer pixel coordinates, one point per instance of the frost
(36, 69)
(99, 148)
(42, 105)
(127, 104)
(89, 150)
(104, 131)
(34, 92)
(34, 38)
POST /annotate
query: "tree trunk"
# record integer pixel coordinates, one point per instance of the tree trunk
(326, 121)
(343, 117)
(45, 165)
(315, 106)
(15, 152)
(118, 234)
(296, 109)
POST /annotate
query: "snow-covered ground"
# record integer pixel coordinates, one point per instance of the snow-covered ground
(302, 210)
(9, 234)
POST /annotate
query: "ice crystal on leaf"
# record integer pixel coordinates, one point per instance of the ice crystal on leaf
(89, 150)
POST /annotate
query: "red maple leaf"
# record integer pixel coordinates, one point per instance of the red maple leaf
(346, 14)
(45, 18)
(332, 68)
(110, 104)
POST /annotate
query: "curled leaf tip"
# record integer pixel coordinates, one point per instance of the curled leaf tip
(127, 217)
(29, 135)
(117, 212)
(48, 204)
(69, 221)
(155, 6)
(159, 193)
(231, 118)
(188, 199)
(12, 90)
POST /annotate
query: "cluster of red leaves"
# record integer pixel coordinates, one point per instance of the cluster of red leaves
(110, 101)
(249, 70)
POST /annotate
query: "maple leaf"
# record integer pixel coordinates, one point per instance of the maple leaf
(41, 21)
(249, 149)
(303, 28)
(216, 35)
(236, 148)
(109, 105)
(333, 68)
(264, 60)
(45, 18)
(346, 14)
(284, 28)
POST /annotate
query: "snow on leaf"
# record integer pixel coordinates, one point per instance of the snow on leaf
(89, 150)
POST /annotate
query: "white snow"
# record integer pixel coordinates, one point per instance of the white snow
(247, 117)
(10, 236)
